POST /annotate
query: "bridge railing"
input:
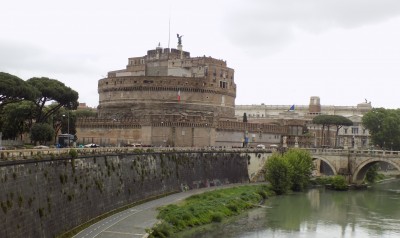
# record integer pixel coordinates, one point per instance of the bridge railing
(327, 151)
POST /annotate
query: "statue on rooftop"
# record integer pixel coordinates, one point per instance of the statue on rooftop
(179, 39)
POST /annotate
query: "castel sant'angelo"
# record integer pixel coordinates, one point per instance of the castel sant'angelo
(168, 98)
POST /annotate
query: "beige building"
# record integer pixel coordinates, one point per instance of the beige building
(299, 117)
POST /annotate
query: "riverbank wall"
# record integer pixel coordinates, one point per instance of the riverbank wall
(47, 197)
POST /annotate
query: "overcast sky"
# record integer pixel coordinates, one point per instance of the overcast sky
(283, 51)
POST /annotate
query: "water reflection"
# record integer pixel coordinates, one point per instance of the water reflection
(319, 213)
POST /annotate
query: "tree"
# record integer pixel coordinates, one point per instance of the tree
(321, 120)
(302, 166)
(17, 118)
(55, 92)
(14, 89)
(331, 120)
(384, 127)
(244, 117)
(85, 113)
(57, 120)
(278, 173)
(339, 122)
(41, 132)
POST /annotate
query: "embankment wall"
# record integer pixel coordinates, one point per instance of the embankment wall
(47, 197)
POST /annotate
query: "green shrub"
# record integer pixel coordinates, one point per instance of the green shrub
(278, 174)
(162, 230)
(73, 153)
(216, 217)
(301, 162)
(372, 174)
(339, 183)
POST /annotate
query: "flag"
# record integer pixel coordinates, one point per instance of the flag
(291, 108)
(179, 95)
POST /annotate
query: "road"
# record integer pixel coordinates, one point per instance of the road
(134, 221)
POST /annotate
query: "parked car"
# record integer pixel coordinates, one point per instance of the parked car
(91, 145)
(133, 145)
(260, 146)
(2, 148)
(41, 147)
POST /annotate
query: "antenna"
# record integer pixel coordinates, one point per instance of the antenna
(169, 26)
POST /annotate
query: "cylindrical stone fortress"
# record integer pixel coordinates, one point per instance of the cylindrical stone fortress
(168, 81)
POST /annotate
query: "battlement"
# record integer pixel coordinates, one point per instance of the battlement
(251, 127)
(175, 62)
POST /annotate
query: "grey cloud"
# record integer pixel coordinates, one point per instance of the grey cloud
(268, 25)
(22, 56)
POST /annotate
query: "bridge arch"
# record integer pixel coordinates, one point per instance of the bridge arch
(326, 161)
(361, 170)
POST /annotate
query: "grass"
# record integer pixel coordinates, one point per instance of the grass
(207, 208)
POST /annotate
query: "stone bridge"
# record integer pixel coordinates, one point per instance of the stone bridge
(353, 164)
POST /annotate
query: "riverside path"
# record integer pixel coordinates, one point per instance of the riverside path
(134, 221)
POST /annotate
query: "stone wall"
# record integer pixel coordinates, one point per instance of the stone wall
(177, 131)
(45, 198)
(145, 95)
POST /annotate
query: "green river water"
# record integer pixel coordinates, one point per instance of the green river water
(374, 212)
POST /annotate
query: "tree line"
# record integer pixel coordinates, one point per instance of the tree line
(384, 127)
(38, 106)
(328, 121)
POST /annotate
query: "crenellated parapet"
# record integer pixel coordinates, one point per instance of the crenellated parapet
(107, 123)
(251, 127)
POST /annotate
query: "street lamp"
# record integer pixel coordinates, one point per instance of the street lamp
(67, 126)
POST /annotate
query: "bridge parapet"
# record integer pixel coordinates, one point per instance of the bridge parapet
(369, 153)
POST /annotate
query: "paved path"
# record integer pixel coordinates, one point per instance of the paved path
(133, 221)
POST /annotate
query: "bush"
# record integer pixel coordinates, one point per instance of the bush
(73, 153)
(301, 162)
(339, 183)
(216, 217)
(289, 171)
(372, 174)
(162, 230)
(278, 174)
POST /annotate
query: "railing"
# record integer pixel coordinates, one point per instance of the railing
(21, 154)
(353, 151)
(38, 154)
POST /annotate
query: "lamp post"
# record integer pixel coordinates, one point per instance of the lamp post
(67, 126)
(164, 140)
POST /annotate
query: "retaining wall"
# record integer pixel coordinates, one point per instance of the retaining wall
(45, 198)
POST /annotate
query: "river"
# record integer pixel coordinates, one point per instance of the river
(374, 212)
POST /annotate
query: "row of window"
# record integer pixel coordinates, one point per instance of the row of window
(354, 131)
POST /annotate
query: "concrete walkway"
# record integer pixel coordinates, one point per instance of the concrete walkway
(134, 221)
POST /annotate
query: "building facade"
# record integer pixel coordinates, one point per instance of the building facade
(298, 119)
(168, 98)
